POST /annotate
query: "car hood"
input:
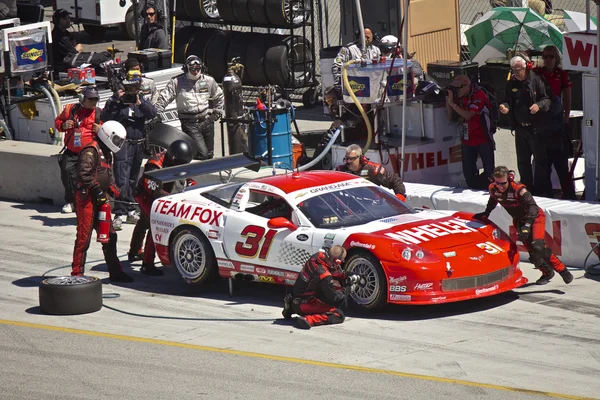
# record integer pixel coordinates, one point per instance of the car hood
(432, 230)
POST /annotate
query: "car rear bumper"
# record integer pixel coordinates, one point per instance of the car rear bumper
(163, 254)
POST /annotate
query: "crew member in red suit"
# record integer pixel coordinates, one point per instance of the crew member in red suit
(148, 190)
(357, 164)
(528, 219)
(315, 298)
(94, 182)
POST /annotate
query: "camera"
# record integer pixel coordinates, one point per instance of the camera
(132, 90)
(444, 92)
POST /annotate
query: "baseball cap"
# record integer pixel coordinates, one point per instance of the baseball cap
(460, 81)
(90, 92)
(60, 13)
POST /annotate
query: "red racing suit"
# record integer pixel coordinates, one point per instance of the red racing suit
(314, 294)
(147, 191)
(377, 174)
(521, 206)
(94, 176)
(81, 135)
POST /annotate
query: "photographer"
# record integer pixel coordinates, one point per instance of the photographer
(314, 297)
(128, 106)
(193, 91)
(472, 105)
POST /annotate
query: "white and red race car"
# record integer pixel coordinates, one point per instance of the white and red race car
(265, 229)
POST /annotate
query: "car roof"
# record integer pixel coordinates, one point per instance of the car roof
(292, 182)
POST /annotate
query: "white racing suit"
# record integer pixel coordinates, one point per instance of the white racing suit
(348, 53)
(193, 99)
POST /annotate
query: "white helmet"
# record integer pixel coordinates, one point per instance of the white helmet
(388, 43)
(113, 135)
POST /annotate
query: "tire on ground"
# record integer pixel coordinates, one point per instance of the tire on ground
(192, 254)
(70, 295)
(217, 47)
(310, 98)
(241, 11)
(258, 12)
(197, 10)
(368, 266)
(279, 58)
(255, 59)
(226, 10)
(182, 37)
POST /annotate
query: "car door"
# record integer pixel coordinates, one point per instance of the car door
(273, 251)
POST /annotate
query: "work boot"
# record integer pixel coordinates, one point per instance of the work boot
(150, 269)
(120, 276)
(118, 223)
(566, 275)
(302, 323)
(68, 208)
(545, 278)
(287, 307)
(135, 256)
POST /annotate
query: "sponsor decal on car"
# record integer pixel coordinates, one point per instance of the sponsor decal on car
(162, 223)
(478, 258)
(261, 270)
(424, 233)
(246, 268)
(438, 299)
(162, 230)
(291, 275)
(400, 297)
(225, 264)
(424, 286)
(290, 281)
(398, 280)
(486, 290)
(275, 272)
(188, 212)
(267, 279)
(449, 254)
(363, 245)
(397, 288)
(302, 237)
(329, 188)
(490, 248)
(212, 234)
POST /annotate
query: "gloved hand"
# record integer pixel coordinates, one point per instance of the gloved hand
(189, 182)
(481, 216)
(114, 191)
(101, 198)
(401, 197)
(214, 116)
(525, 232)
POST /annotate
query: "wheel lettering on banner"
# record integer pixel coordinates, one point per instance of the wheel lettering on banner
(254, 235)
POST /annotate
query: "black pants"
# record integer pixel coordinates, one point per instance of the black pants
(139, 233)
(469, 163)
(126, 170)
(532, 142)
(558, 157)
(68, 174)
(203, 133)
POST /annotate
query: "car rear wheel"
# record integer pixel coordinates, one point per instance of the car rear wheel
(373, 294)
(193, 256)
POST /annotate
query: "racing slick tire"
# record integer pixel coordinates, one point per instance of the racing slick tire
(279, 57)
(193, 256)
(202, 10)
(70, 295)
(279, 12)
(241, 11)
(373, 294)
(258, 12)
(225, 8)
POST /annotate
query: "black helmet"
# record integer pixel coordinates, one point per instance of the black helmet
(178, 153)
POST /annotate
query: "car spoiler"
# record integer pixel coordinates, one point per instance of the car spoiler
(194, 169)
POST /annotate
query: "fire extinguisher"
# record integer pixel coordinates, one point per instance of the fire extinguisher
(104, 221)
(234, 107)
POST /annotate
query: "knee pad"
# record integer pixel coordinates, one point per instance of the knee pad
(336, 316)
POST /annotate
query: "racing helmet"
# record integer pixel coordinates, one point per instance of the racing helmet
(179, 152)
(193, 62)
(113, 135)
(388, 43)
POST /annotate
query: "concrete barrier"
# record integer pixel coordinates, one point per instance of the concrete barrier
(572, 227)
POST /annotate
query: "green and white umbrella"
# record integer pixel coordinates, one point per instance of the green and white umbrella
(504, 28)
(575, 21)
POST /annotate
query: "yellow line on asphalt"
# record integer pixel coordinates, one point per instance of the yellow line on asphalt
(288, 359)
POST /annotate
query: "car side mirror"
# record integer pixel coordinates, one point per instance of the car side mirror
(281, 222)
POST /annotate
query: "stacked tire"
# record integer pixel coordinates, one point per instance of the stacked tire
(261, 12)
(268, 59)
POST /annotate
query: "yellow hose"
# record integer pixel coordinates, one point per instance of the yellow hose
(355, 100)
(56, 97)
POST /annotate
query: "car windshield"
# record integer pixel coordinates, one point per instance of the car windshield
(352, 207)
(223, 195)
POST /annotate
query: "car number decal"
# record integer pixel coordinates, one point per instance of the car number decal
(254, 235)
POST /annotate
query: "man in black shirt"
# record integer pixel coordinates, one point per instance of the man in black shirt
(527, 102)
(63, 43)
(153, 34)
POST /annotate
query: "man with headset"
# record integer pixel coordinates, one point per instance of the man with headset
(353, 52)
(528, 219)
(193, 91)
(315, 298)
(527, 102)
(152, 34)
(63, 42)
(357, 164)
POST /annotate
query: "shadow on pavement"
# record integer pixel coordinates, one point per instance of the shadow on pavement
(47, 221)
(42, 208)
(30, 281)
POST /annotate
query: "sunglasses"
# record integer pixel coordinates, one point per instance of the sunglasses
(548, 56)
(151, 14)
(500, 183)
(351, 159)
(93, 98)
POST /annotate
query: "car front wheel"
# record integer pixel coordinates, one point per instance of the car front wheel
(193, 256)
(373, 293)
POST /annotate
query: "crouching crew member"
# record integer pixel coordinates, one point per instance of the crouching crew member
(314, 297)
(357, 164)
(94, 182)
(528, 219)
(178, 153)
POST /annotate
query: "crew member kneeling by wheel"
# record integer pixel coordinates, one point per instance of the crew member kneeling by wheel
(94, 182)
(148, 190)
(314, 297)
(528, 219)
